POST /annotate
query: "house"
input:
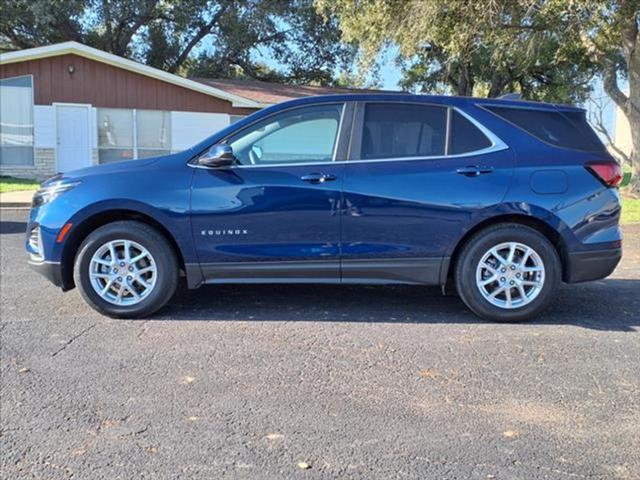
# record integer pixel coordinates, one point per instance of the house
(68, 106)
(622, 132)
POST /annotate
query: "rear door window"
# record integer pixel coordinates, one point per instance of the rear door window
(562, 129)
(403, 130)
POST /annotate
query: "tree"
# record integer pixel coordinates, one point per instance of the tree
(610, 33)
(469, 47)
(546, 49)
(598, 105)
(219, 37)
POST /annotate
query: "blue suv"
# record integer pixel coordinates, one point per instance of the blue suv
(499, 199)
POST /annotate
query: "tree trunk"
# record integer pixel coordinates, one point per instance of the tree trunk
(465, 81)
(498, 85)
(634, 123)
(632, 107)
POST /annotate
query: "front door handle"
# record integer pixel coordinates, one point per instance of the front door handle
(474, 170)
(318, 177)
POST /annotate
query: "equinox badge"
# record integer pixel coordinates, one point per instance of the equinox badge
(226, 231)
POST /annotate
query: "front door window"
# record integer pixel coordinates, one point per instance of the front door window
(301, 135)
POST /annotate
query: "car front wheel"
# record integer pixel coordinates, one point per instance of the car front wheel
(126, 269)
(508, 273)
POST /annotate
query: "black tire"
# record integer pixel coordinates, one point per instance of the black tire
(157, 245)
(482, 242)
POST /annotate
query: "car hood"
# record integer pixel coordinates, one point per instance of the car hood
(110, 168)
(129, 166)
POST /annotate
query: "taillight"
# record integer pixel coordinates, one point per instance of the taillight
(609, 173)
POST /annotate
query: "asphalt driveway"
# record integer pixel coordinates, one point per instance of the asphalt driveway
(356, 382)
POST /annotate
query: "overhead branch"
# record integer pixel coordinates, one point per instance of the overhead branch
(202, 32)
(125, 35)
(600, 128)
(610, 85)
(596, 118)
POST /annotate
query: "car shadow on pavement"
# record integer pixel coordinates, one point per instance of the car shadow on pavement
(12, 227)
(612, 304)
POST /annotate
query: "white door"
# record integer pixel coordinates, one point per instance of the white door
(73, 137)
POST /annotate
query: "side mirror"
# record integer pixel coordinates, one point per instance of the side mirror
(220, 155)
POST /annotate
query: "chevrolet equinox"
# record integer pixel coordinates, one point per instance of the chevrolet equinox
(500, 199)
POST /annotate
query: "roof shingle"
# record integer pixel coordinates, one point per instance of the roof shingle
(270, 93)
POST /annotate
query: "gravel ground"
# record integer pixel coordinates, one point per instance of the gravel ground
(356, 382)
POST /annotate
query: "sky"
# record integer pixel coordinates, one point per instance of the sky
(390, 73)
(390, 76)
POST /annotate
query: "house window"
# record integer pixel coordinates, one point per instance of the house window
(130, 134)
(153, 133)
(16, 121)
(115, 135)
(235, 118)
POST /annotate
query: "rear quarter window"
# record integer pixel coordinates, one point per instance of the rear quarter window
(465, 137)
(560, 128)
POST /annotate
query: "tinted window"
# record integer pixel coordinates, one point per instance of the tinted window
(465, 136)
(305, 134)
(399, 130)
(563, 129)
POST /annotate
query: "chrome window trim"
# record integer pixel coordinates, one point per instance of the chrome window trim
(493, 138)
(497, 145)
(484, 151)
(292, 164)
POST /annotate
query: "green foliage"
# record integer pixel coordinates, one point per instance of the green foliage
(548, 50)
(630, 210)
(28, 23)
(472, 47)
(10, 184)
(221, 38)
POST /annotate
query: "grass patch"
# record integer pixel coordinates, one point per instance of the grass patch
(10, 184)
(630, 210)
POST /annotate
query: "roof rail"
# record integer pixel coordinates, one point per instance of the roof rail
(511, 96)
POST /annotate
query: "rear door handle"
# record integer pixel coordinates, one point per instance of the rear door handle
(474, 170)
(318, 177)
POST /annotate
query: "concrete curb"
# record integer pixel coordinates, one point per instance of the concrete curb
(16, 199)
(14, 205)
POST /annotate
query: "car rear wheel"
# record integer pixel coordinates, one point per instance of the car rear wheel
(126, 269)
(508, 273)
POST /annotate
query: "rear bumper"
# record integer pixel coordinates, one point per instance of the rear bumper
(594, 265)
(52, 271)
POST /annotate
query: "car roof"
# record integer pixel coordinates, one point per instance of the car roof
(432, 99)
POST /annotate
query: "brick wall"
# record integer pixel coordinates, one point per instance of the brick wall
(44, 166)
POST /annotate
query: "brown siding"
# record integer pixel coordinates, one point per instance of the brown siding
(106, 86)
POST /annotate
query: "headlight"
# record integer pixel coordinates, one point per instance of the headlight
(51, 191)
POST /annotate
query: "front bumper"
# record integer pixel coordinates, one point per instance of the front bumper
(593, 265)
(51, 270)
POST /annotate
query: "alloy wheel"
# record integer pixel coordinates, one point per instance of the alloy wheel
(123, 272)
(510, 275)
